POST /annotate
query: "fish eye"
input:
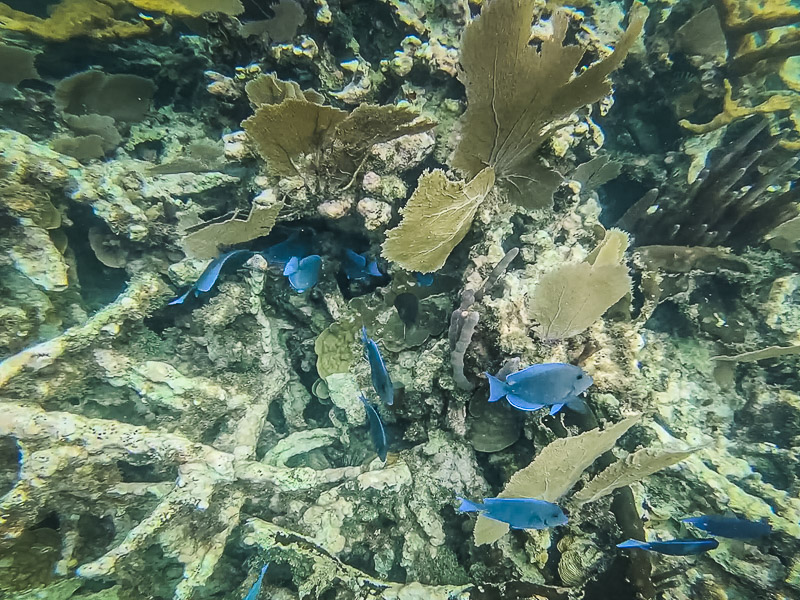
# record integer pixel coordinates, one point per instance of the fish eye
(580, 376)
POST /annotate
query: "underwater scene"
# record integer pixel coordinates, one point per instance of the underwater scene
(399, 299)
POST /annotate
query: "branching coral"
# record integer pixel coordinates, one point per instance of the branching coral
(733, 202)
(517, 91)
(755, 31)
(732, 111)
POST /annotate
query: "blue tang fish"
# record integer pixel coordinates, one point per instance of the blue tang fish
(519, 513)
(209, 277)
(673, 547)
(303, 274)
(730, 527)
(424, 279)
(254, 591)
(357, 268)
(380, 376)
(297, 244)
(376, 430)
(551, 384)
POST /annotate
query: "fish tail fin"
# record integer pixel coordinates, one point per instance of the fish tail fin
(373, 269)
(578, 405)
(263, 571)
(468, 505)
(364, 336)
(292, 266)
(632, 544)
(497, 389)
(181, 299)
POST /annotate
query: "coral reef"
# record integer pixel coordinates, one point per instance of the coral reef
(490, 163)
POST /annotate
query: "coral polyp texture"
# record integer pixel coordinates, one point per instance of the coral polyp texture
(399, 299)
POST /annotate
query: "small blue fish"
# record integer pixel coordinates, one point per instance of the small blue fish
(381, 381)
(424, 279)
(551, 384)
(303, 274)
(357, 268)
(730, 527)
(297, 244)
(673, 547)
(519, 513)
(209, 277)
(376, 430)
(254, 591)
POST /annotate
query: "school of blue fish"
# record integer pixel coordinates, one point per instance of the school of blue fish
(552, 386)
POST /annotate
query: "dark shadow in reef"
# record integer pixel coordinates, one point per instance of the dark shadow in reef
(99, 285)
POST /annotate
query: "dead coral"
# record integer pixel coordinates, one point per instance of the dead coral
(517, 91)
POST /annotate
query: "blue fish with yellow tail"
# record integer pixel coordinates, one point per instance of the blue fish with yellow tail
(254, 591)
(730, 527)
(518, 513)
(380, 376)
(358, 268)
(550, 384)
(376, 429)
(673, 547)
(207, 280)
(303, 274)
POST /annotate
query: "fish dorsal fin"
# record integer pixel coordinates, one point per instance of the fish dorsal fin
(532, 371)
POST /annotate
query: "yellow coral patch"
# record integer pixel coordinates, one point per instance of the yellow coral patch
(75, 18)
(190, 8)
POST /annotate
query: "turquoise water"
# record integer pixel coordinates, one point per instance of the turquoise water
(402, 298)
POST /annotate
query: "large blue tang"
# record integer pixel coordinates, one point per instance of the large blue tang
(256, 588)
(376, 429)
(673, 547)
(380, 376)
(207, 280)
(518, 513)
(358, 268)
(551, 384)
(730, 527)
(303, 274)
